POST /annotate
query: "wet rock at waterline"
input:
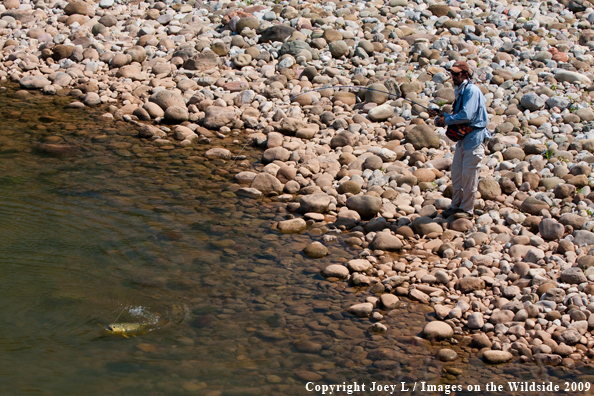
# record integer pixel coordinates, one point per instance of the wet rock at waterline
(497, 357)
(315, 250)
(336, 271)
(438, 330)
(292, 226)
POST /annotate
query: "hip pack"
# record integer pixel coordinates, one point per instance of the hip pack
(457, 132)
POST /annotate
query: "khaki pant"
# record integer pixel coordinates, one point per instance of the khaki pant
(465, 172)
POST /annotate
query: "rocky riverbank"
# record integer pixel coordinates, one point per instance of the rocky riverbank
(515, 282)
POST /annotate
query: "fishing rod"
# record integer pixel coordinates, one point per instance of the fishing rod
(391, 95)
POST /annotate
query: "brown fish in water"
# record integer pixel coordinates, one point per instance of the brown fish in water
(127, 329)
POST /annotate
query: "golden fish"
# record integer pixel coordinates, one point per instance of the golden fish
(127, 329)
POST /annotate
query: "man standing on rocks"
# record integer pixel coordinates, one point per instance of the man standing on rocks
(469, 109)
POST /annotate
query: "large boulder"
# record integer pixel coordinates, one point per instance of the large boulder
(336, 271)
(247, 22)
(338, 48)
(315, 250)
(224, 154)
(361, 310)
(344, 138)
(513, 153)
(62, 51)
(290, 126)
(573, 219)
(177, 114)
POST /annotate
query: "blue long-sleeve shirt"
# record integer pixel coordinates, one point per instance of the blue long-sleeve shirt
(473, 111)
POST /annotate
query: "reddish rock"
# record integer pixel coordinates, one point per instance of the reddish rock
(235, 86)
(240, 13)
(558, 55)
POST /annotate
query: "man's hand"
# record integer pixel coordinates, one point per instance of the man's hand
(433, 112)
(440, 121)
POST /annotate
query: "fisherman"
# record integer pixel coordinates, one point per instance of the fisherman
(469, 109)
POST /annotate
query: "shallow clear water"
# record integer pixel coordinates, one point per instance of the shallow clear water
(155, 235)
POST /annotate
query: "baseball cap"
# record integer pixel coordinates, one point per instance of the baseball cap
(459, 67)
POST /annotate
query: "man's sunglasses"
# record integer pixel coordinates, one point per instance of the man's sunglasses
(455, 73)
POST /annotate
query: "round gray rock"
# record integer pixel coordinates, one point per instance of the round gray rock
(573, 276)
(338, 48)
(532, 101)
(550, 229)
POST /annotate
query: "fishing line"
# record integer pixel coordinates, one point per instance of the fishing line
(165, 254)
(391, 95)
(138, 290)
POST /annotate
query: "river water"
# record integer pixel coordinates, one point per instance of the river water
(126, 230)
